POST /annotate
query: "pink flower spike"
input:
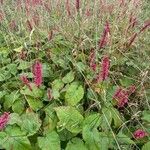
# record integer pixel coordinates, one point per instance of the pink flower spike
(132, 39)
(103, 75)
(92, 60)
(104, 40)
(25, 81)
(77, 5)
(37, 71)
(68, 8)
(4, 120)
(139, 134)
(121, 96)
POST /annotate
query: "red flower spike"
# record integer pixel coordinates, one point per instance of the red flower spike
(92, 60)
(104, 40)
(139, 134)
(146, 25)
(4, 120)
(132, 39)
(77, 5)
(68, 8)
(25, 81)
(37, 71)
(103, 75)
(121, 96)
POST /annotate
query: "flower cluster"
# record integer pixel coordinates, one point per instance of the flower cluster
(4, 120)
(139, 134)
(25, 81)
(37, 71)
(104, 40)
(122, 95)
(103, 75)
(92, 60)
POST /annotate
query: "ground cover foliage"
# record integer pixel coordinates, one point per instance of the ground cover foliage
(74, 74)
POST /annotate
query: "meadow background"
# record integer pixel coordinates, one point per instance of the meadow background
(75, 74)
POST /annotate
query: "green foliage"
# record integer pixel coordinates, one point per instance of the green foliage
(71, 110)
(50, 141)
(74, 94)
(69, 118)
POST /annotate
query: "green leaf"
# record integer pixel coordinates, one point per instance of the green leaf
(18, 106)
(14, 119)
(68, 78)
(69, 118)
(57, 84)
(146, 146)
(96, 140)
(146, 116)
(49, 142)
(4, 75)
(92, 121)
(24, 65)
(124, 139)
(30, 123)
(10, 99)
(12, 68)
(74, 94)
(15, 139)
(106, 119)
(36, 92)
(116, 117)
(35, 104)
(76, 144)
(50, 121)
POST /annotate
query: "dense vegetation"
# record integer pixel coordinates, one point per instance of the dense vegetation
(75, 74)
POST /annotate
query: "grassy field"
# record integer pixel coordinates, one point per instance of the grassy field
(75, 74)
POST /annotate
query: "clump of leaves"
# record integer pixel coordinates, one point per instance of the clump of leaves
(74, 75)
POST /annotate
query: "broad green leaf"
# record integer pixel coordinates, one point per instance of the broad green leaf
(146, 146)
(57, 84)
(50, 121)
(4, 75)
(36, 92)
(92, 121)
(14, 119)
(35, 104)
(76, 144)
(50, 141)
(146, 116)
(68, 78)
(15, 139)
(124, 139)
(12, 68)
(56, 94)
(10, 99)
(116, 117)
(96, 140)
(18, 106)
(106, 119)
(30, 123)
(66, 135)
(74, 94)
(24, 65)
(81, 66)
(69, 118)
(2, 93)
